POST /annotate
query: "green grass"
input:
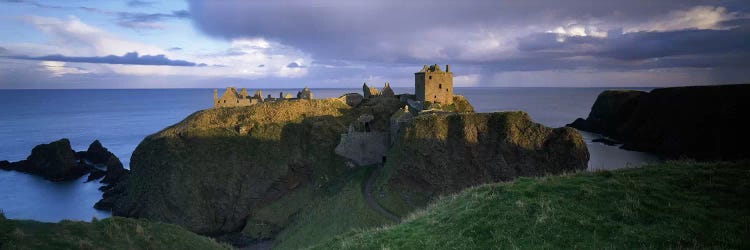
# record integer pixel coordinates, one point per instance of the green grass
(344, 210)
(669, 205)
(111, 233)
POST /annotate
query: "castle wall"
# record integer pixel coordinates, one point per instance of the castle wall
(232, 98)
(434, 86)
(363, 148)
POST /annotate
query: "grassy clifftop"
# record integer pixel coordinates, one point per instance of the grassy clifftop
(111, 233)
(671, 205)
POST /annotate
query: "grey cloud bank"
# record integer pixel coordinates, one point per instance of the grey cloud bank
(131, 58)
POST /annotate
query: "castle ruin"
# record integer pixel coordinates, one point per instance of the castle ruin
(234, 98)
(431, 84)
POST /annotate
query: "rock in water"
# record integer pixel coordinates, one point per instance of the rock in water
(702, 122)
(97, 154)
(55, 161)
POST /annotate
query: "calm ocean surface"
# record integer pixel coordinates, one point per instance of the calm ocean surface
(120, 119)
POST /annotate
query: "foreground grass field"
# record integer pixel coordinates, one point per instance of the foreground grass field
(111, 233)
(669, 205)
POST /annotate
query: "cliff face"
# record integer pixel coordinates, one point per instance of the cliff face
(213, 169)
(444, 153)
(703, 122)
(611, 109)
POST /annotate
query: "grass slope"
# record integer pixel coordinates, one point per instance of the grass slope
(111, 233)
(344, 210)
(669, 205)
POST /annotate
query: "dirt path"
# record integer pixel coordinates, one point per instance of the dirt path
(371, 200)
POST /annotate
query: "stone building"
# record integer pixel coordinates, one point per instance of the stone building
(399, 119)
(305, 94)
(434, 85)
(233, 98)
(369, 91)
(387, 91)
(362, 144)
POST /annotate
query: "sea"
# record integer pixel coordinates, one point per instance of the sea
(121, 118)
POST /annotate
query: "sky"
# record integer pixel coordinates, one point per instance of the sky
(343, 43)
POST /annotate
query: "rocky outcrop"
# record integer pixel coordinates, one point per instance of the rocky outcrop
(443, 153)
(55, 161)
(213, 170)
(611, 109)
(701, 122)
(115, 175)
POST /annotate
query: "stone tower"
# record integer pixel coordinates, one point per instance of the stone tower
(434, 85)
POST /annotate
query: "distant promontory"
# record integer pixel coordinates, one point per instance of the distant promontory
(700, 122)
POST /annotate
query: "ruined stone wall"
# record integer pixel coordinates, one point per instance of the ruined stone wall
(363, 148)
(232, 98)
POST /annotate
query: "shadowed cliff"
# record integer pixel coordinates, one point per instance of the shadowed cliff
(702, 122)
(445, 153)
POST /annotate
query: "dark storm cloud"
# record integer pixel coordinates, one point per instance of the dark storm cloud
(131, 58)
(368, 30)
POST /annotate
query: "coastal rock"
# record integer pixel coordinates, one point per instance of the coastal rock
(97, 154)
(445, 153)
(55, 161)
(612, 107)
(701, 122)
(95, 174)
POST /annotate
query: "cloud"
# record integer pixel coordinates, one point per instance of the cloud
(294, 65)
(420, 30)
(148, 20)
(131, 58)
(698, 17)
(59, 68)
(137, 3)
(134, 20)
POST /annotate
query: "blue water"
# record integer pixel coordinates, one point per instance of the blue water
(120, 119)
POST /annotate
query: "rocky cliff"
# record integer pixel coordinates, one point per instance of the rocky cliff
(211, 171)
(702, 122)
(444, 153)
